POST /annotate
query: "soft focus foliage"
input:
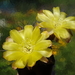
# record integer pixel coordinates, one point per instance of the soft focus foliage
(65, 61)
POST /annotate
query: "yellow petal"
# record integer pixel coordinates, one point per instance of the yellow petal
(61, 33)
(19, 64)
(42, 17)
(42, 45)
(68, 24)
(34, 57)
(15, 35)
(44, 35)
(28, 32)
(35, 35)
(13, 55)
(11, 46)
(71, 18)
(62, 15)
(22, 33)
(47, 25)
(48, 13)
(56, 12)
(46, 53)
(7, 53)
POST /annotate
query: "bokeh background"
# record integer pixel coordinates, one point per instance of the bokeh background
(14, 14)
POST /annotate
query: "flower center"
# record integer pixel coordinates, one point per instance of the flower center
(58, 23)
(27, 49)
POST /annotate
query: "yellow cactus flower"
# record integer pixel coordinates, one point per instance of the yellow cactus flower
(27, 46)
(56, 23)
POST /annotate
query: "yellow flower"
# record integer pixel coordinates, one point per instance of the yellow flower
(26, 47)
(56, 23)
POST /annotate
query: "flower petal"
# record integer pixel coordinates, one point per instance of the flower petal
(22, 33)
(62, 15)
(28, 32)
(35, 56)
(48, 13)
(35, 35)
(46, 53)
(7, 53)
(68, 24)
(42, 45)
(42, 17)
(19, 64)
(56, 12)
(47, 25)
(14, 34)
(71, 18)
(13, 55)
(61, 33)
(11, 46)
(44, 35)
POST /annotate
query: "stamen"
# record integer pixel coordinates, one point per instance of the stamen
(27, 49)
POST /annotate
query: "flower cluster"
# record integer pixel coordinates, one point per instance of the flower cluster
(26, 46)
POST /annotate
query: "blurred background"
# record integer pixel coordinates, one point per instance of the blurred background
(14, 14)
